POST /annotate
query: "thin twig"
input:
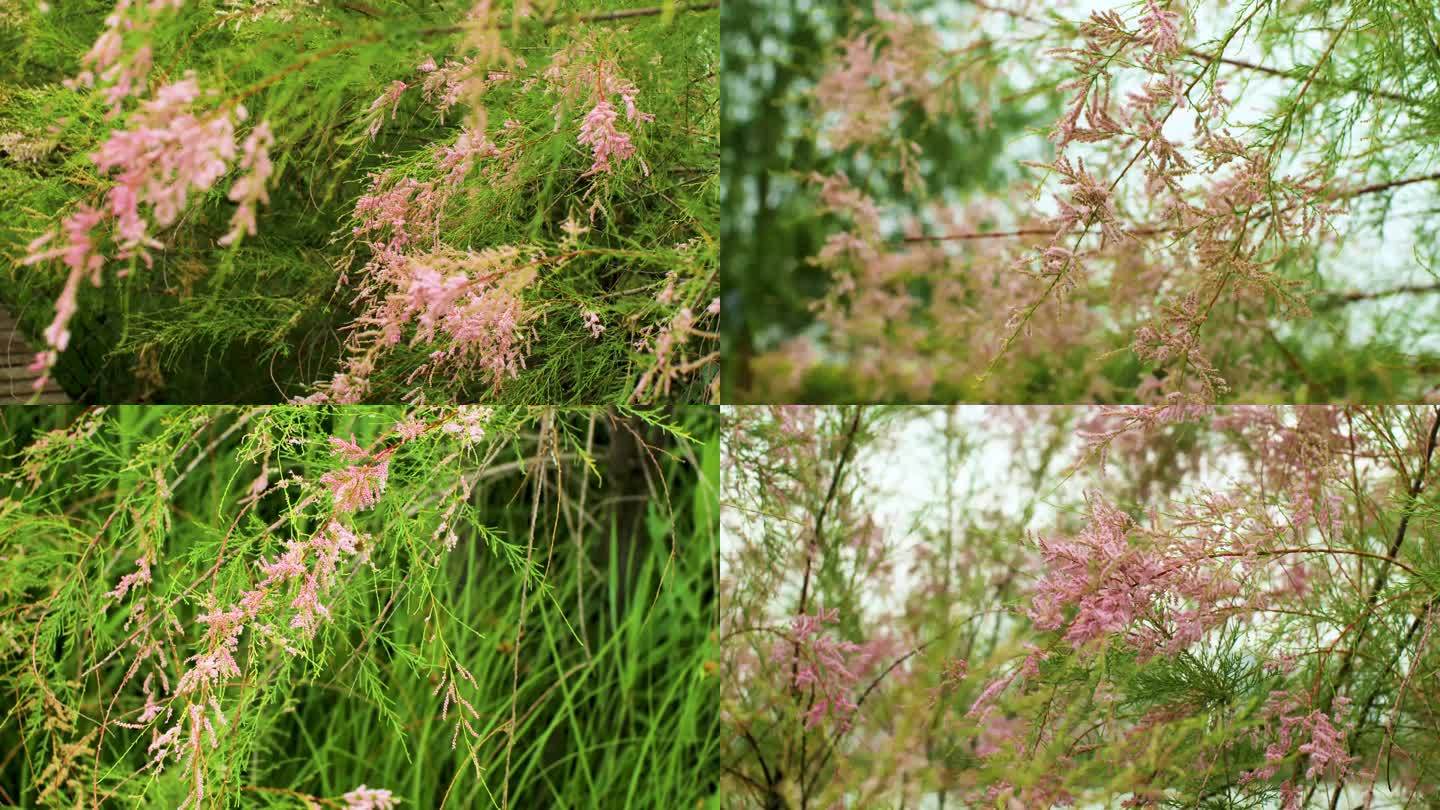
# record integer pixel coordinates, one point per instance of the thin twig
(1338, 299)
(1156, 229)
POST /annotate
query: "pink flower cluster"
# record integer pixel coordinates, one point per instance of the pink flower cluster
(469, 299)
(1309, 733)
(108, 65)
(364, 798)
(1160, 29)
(984, 704)
(592, 322)
(1100, 582)
(1108, 581)
(141, 576)
(444, 86)
(166, 154)
(573, 72)
(469, 424)
(324, 552)
(290, 589)
(668, 347)
(386, 101)
(823, 664)
(84, 260)
(875, 73)
(456, 160)
(358, 486)
(250, 188)
(313, 563)
(599, 133)
(1300, 450)
(200, 729)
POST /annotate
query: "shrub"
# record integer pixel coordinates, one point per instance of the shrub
(357, 607)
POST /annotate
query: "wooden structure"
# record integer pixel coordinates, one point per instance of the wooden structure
(17, 381)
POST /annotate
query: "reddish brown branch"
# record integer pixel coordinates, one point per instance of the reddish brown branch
(1152, 230)
(644, 12)
(1337, 299)
(1284, 74)
(602, 16)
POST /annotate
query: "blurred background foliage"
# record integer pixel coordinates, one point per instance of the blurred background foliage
(773, 52)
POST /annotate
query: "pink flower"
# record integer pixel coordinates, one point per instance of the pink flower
(824, 664)
(250, 188)
(289, 565)
(309, 612)
(314, 563)
(356, 487)
(107, 64)
(469, 423)
(140, 577)
(1104, 580)
(443, 86)
(457, 160)
(363, 798)
(81, 256)
(348, 449)
(79, 252)
(1323, 743)
(411, 429)
(210, 668)
(1160, 29)
(850, 92)
(488, 328)
(592, 321)
(1028, 668)
(599, 133)
(1326, 748)
(391, 99)
(1098, 572)
(167, 153)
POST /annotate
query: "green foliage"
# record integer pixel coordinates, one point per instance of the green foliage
(273, 311)
(578, 598)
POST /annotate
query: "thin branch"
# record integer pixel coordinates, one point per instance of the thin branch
(845, 451)
(1339, 299)
(1286, 74)
(1383, 576)
(1414, 495)
(628, 13)
(1277, 552)
(1155, 229)
(601, 16)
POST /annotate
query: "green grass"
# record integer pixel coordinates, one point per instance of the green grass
(610, 685)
